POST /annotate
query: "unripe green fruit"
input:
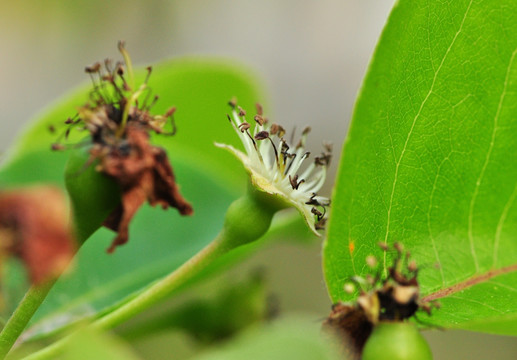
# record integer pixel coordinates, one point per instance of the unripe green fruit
(93, 195)
(396, 341)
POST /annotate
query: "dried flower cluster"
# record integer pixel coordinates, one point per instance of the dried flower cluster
(277, 167)
(119, 121)
(393, 298)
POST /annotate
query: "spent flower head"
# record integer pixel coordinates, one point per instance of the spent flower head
(394, 297)
(118, 119)
(279, 168)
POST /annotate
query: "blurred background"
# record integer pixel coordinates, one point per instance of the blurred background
(311, 55)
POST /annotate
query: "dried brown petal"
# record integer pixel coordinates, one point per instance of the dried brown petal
(143, 173)
(34, 227)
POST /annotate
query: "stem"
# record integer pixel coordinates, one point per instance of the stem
(103, 189)
(22, 315)
(247, 219)
(164, 287)
(155, 293)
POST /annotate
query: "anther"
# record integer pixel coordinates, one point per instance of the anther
(313, 201)
(244, 127)
(259, 120)
(349, 288)
(261, 135)
(320, 225)
(412, 266)
(93, 69)
(149, 71)
(170, 112)
(120, 70)
(294, 182)
(371, 261)
(328, 146)
(316, 212)
(383, 246)
(57, 147)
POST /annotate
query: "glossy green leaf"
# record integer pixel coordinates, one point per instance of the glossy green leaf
(430, 161)
(160, 240)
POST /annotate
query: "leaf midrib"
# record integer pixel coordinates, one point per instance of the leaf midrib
(469, 282)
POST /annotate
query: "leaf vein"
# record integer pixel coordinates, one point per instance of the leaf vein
(485, 164)
(397, 165)
(500, 225)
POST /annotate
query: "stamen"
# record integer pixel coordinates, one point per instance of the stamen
(262, 135)
(127, 61)
(148, 108)
(316, 212)
(294, 182)
(276, 152)
(244, 126)
(259, 120)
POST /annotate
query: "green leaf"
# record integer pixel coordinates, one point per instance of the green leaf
(159, 241)
(90, 344)
(430, 161)
(293, 338)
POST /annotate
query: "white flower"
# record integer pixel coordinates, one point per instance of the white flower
(276, 168)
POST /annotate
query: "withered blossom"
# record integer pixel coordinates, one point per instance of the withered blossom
(34, 226)
(119, 120)
(393, 298)
(278, 168)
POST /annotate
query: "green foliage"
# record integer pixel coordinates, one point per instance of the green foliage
(294, 338)
(430, 161)
(160, 241)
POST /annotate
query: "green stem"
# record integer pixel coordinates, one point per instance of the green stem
(247, 219)
(22, 315)
(105, 190)
(164, 287)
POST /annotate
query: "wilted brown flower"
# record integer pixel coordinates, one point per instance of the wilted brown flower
(393, 298)
(34, 227)
(119, 121)
(143, 173)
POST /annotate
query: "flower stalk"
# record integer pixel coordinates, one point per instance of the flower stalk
(247, 219)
